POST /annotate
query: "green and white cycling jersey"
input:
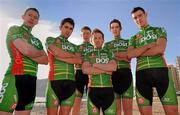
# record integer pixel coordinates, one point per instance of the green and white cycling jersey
(60, 70)
(21, 64)
(83, 49)
(118, 45)
(99, 56)
(145, 36)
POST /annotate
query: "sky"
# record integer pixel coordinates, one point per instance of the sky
(93, 13)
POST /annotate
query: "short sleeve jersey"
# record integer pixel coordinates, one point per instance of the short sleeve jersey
(60, 70)
(145, 36)
(84, 49)
(118, 45)
(99, 56)
(21, 64)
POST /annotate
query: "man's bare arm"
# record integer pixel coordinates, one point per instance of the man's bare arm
(109, 67)
(27, 49)
(41, 60)
(87, 68)
(73, 60)
(159, 48)
(122, 56)
(136, 52)
(59, 53)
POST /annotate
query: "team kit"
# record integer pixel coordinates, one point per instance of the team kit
(99, 69)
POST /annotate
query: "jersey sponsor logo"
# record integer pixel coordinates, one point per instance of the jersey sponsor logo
(149, 35)
(67, 102)
(35, 42)
(141, 100)
(94, 110)
(102, 60)
(68, 48)
(120, 44)
(3, 90)
(88, 50)
(126, 94)
(166, 99)
(110, 111)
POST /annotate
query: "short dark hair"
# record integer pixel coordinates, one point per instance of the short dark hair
(136, 9)
(69, 20)
(34, 9)
(98, 31)
(85, 28)
(115, 21)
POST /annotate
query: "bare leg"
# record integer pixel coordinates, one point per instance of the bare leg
(171, 109)
(145, 110)
(76, 106)
(25, 112)
(5, 113)
(52, 111)
(127, 106)
(65, 110)
(119, 108)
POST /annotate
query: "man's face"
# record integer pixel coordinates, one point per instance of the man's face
(97, 40)
(30, 18)
(115, 29)
(86, 34)
(66, 29)
(140, 18)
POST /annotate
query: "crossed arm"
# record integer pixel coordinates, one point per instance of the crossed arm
(28, 50)
(151, 49)
(122, 56)
(94, 69)
(64, 56)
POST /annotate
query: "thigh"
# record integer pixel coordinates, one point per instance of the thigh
(122, 80)
(52, 100)
(26, 89)
(165, 86)
(81, 82)
(144, 88)
(8, 94)
(109, 103)
(93, 104)
(68, 95)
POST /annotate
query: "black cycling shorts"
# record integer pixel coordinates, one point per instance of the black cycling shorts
(121, 80)
(63, 88)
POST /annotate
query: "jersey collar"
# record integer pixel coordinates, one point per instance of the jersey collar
(117, 38)
(145, 28)
(28, 29)
(62, 37)
(95, 49)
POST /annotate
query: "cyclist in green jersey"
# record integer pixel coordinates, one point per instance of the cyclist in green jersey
(80, 78)
(62, 57)
(122, 77)
(148, 46)
(99, 65)
(26, 52)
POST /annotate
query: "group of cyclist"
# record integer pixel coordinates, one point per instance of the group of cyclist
(101, 69)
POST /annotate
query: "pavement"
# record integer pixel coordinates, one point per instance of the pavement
(39, 108)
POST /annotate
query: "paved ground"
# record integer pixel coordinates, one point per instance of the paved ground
(39, 108)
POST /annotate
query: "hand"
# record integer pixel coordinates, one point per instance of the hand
(107, 72)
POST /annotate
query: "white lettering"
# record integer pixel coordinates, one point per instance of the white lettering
(3, 90)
